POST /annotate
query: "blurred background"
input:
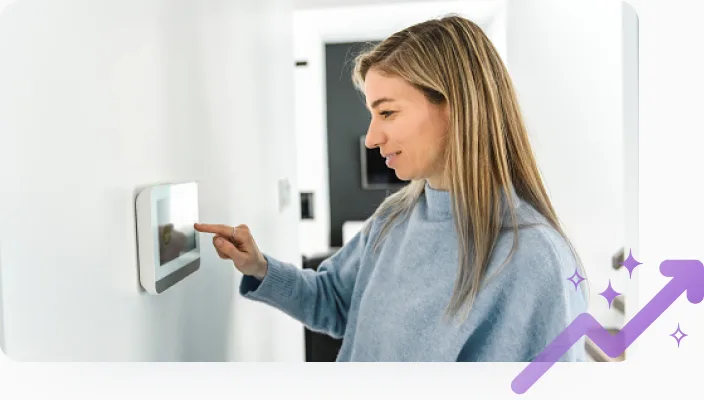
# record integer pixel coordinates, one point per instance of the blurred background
(254, 101)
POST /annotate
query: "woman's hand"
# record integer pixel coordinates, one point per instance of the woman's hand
(238, 245)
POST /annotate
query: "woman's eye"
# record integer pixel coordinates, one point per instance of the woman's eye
(386, 114)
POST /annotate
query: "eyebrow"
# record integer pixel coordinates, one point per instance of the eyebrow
(376, 103)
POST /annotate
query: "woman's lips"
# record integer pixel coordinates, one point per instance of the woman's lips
(391, 159)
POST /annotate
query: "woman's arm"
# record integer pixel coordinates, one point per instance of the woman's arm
(319, 299)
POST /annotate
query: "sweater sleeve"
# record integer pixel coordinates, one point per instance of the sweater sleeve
(528, 305)
(318, 299)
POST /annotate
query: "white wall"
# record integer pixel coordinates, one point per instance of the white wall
(318, 4)
(313, 28)
(100, 98)
(566, 62)
(671, 215)
(2, 314)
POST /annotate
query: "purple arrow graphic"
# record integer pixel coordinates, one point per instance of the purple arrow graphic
(687, 276)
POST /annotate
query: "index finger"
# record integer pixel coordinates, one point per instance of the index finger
(219, 229)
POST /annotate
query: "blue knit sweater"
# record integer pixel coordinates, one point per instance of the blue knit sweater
(388, 306)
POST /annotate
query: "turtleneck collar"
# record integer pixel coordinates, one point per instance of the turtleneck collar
(439, 202)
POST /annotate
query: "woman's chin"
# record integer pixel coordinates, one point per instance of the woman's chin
(400, 175)
(406, 175)
(403, 177)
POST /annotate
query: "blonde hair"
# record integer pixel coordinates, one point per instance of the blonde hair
(487, 151)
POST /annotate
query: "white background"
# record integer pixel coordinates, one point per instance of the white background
(670, 222)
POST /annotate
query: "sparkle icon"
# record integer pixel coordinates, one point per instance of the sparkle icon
(680, 336)
(579, 279)
(631, 263)
(687, 277)
(610, 294)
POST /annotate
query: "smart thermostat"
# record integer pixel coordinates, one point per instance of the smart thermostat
(168, 246)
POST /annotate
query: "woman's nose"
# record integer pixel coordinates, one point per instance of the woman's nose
(374, 137)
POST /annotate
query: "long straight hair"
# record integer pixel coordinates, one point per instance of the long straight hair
(487, 151)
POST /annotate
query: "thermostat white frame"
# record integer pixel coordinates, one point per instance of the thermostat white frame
(155, 278)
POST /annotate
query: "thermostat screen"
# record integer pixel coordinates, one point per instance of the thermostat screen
(175, 216)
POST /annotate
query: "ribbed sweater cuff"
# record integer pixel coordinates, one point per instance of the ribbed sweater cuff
(276, 286)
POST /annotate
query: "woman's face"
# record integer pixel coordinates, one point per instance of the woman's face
(408, 129)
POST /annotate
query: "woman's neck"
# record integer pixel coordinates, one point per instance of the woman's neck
(437, 183)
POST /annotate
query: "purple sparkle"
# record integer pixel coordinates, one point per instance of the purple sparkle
(630, 263)
(680, 337)
(579, 279)
(610, 294)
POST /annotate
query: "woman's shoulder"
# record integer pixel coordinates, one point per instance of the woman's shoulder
(540, 251)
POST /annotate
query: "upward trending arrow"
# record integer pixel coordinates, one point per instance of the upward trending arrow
(687, 276)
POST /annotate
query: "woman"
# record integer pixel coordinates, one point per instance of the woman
(468, 261)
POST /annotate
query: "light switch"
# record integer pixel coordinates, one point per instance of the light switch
(284, 193)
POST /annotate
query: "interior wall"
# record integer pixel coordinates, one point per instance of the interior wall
(2, 313)
(566, 62)
(102, 98)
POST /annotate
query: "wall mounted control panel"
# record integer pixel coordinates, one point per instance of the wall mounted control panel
(168, 245)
